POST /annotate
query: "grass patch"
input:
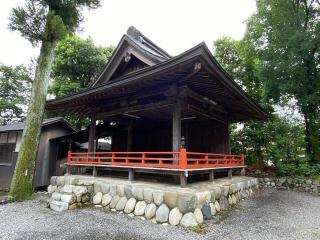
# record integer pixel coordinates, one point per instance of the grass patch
(3, 193)
(317, 177)
(196, 229)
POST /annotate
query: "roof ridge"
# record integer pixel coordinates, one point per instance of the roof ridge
(139, 36)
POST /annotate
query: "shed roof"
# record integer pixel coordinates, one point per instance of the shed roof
(46, 122)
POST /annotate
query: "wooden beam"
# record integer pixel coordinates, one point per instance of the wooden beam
(135, 108)
(206, 114)
(196, 68)
(126, 99)
(203, 99)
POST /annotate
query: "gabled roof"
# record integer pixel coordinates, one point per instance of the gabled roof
(140, 47)
(220, 84)
(46, 122)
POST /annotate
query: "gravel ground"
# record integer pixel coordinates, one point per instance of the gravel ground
(271, 214)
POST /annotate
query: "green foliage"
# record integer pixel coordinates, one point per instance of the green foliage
(276, 141)
(48, 20)
(196, 229)
(30, 21)
(238, 60)
(317, 177)
(298, 170)
(77, 64)
(15, 85)
(277, 61)
(285, 36)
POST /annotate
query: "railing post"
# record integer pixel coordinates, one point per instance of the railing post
(206, 157)
(183, 158)
(112, 158)
(69, 157)
(143, 158)
(242, 159)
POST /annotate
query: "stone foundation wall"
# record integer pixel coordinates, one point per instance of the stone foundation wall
(187, 207)
(300, 184)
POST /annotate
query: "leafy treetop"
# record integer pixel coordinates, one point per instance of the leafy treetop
(15, 85)
(77, 64)
(48, 20)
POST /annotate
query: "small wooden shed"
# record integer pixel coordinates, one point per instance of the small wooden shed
(10, 141)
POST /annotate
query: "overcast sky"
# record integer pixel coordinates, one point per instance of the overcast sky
(175, 25)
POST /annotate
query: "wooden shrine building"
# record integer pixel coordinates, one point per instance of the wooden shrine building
(163, 113)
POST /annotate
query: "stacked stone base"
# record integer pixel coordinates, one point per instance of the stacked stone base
(159, 203)
(299, 184)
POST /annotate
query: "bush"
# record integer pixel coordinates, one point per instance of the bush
(300, 170)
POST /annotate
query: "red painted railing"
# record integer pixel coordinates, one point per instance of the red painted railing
(168, 160)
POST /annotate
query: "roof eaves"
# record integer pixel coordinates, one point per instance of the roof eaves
(200, 49)
(109, 63)
(124, 79)
(234, 85)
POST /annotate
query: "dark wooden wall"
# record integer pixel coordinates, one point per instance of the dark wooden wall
(47, 153)
(206, 136)
(201, 136)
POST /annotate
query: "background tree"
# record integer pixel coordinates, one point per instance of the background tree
(45, 22)
(285, 36)
(77, 64)
(15, 85)
(238, 59)
(277, 140)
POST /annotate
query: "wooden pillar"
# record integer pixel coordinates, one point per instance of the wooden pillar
(176, 126)
(129, 137)
(183, 180)
(228, 144)
(92, 134)
(94, 171)
(131, 175)
(211, 176)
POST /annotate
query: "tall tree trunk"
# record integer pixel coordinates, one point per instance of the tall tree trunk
(312, 134)
(22, 182)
